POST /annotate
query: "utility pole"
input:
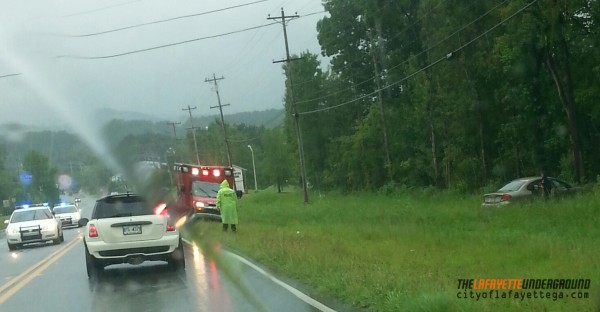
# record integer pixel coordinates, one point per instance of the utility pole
(174, 131)
(189, 109)
(290, 86)
(215, 79)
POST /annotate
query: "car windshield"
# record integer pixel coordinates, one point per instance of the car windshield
(121, 207)
(207, 189)
(512, 186)
(64, 209)
(30, 215)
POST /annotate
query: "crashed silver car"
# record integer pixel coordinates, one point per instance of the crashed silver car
(526, 189)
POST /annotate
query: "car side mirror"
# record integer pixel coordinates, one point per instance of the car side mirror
(83, 222)
(5, 221)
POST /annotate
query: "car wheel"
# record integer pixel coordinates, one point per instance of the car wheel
(62, 236)
(11, 247)
(92, 265)
(177, 258)
(58, 237)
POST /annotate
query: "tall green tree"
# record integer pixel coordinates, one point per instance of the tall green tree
(43, 187)
(275, 162)
(8, 184)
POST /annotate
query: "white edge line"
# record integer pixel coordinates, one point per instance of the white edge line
(302, 296)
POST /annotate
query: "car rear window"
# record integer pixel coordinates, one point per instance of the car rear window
(512, 186)
(114, 207)
(64, 209)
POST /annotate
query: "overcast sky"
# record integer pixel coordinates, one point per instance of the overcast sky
(37, 41)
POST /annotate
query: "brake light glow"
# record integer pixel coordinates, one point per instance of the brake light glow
(216, 172)
(505, 197)
(195, 171)
(160, 209)
(170, 227)
(92, 232)
(204, 172)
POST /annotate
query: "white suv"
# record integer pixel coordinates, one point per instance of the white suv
(124, 228)
(32, 225)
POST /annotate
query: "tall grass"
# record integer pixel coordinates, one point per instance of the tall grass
(405, 251)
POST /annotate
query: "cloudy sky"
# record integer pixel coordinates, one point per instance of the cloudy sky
(67, 56)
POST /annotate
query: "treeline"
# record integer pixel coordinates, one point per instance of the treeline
(453, 94)
(59, 153)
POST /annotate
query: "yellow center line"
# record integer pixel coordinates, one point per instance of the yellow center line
(14, 285)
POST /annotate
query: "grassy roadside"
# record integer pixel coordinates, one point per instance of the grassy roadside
(405, 252)
(2, 225)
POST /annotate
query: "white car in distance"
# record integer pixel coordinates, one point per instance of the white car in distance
(68, 214)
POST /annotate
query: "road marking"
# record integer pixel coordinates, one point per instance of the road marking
(14, 285)
(302, 296)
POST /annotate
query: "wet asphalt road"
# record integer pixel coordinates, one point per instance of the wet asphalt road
(53, 278)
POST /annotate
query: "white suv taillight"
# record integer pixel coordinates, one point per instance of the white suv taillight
(170, 227)
(92, 232)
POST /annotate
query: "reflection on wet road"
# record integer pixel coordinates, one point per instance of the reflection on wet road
(206, 285)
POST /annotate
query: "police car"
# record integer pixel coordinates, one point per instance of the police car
(32, 224)
(67, 214)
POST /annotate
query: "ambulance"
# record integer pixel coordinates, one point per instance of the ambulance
(197, 187)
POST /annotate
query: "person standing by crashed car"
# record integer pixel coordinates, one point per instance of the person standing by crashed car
(227, 203)
(546, 185)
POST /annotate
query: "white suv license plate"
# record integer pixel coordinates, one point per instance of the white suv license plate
(132, 229)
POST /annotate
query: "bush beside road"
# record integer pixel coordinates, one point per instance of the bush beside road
(405, 251)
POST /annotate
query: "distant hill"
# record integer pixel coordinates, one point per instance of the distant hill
(267, 118)
(105, 115)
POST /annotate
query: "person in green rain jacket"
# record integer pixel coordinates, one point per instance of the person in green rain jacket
(227, 203)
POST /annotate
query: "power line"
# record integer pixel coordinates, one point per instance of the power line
(166, 45)
(406, 61)
(447, 56)
(387, 39)
(402, 63)
(10, 75)
(100, 9)
(167, 20)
